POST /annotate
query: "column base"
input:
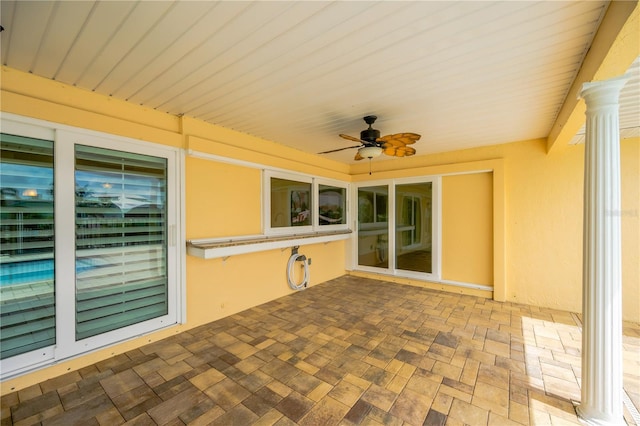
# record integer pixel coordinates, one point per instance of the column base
(594, 418)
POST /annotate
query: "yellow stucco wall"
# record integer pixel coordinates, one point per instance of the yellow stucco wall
(467, 228)
(630, 218)
(543, 217)
(218, 192)
(218, 288)
(537, 204)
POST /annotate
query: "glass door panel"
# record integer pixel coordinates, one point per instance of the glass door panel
(413, 227)
(27, 302)
(373, 231)
(121, 239)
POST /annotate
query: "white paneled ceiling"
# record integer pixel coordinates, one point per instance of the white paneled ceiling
(461, 74)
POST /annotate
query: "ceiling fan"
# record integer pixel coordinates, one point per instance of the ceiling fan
(372, 145)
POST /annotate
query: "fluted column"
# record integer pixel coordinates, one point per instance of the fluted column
(601, 274)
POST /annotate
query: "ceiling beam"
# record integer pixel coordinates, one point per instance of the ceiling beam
(615, 46)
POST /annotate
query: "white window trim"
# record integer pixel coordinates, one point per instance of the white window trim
(315, 183)
(64, 138)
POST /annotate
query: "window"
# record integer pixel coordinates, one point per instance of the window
(396, 227)
(297, 203)
(26, 246)
(88, 233)
(290, 203)
(332, 205)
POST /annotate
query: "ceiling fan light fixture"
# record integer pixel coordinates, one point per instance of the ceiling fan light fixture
(370, 152)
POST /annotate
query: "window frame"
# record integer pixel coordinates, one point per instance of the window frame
(316, 190)
(375, 227)
(390, 224)
(315, 183)
(65, 138)
(266, 210)
(42, 356)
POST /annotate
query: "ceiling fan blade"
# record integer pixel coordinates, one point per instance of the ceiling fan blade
(398, 151)
(391, 142)
(409, 151)
(339, 149)
(389, 150)
(358, 157)
(399, 139)
(351, 138)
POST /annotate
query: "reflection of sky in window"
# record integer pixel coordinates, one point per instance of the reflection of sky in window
(330, 198)
(22, 177)
(16, 179)
(105, 184)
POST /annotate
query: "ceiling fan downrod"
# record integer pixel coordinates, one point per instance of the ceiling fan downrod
(370, 135)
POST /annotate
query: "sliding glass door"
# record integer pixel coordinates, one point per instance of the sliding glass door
(373, 226)
(87, 242)
(413, 240)
(121, 239)
(27, 288)
(397, 229)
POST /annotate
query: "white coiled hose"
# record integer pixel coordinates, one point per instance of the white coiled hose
(295, 257)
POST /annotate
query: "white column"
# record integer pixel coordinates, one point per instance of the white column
(601, 274)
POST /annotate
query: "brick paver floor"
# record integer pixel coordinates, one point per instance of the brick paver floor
(348, 351)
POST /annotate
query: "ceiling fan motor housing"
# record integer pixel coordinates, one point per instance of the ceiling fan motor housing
(370, 135)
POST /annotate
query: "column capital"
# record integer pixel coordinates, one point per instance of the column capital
(603, 93)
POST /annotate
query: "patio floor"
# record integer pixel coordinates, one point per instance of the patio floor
(348, 351)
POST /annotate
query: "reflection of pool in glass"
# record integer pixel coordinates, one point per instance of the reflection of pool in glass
(26, 272)
(33, 271)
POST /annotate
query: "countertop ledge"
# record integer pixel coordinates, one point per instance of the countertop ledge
(211, 248)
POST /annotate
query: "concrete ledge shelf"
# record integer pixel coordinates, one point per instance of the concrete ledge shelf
(213, 248)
